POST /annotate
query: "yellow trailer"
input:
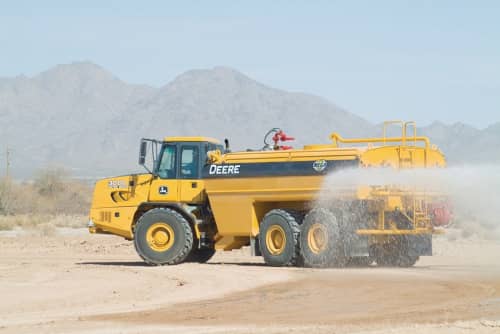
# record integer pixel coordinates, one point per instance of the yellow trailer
(198, 197)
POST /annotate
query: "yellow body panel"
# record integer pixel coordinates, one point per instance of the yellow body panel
(191, 139)
(240, 204)
(191, 191)
(173, 190)
(402, 157)
(116, 199)
(381, 156)
(290, 155)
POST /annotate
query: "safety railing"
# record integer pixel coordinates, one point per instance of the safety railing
(336, 138)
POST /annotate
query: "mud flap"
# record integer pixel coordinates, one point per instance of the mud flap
(255, 247)
(419, 245)
(356, 245)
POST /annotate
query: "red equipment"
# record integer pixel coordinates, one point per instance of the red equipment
(441, 214)
(280, 136)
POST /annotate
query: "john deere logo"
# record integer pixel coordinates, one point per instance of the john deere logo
(319, 165)
(163, 190)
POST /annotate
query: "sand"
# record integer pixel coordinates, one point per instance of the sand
(73, 282)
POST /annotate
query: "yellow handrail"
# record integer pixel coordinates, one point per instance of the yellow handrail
(336, 138)
(405, 129)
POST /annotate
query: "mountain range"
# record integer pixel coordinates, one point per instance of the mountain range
(82, 117)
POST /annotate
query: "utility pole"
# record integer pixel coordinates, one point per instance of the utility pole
(7, 163)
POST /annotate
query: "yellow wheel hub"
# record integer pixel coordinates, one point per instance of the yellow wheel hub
(317, 238)
(275, 240)
(160, 236)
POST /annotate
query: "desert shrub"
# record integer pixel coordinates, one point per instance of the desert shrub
(51, 194)
(6, 224)
(50, 181)
(40, 223)
(5, 198)
(9, 222)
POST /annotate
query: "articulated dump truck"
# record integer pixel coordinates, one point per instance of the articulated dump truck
(198, 197)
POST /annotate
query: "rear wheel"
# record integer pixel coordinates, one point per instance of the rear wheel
(407, 261)
(394, 253)
(278, 238)
(320, 240)
(360, 261)
(163, 236)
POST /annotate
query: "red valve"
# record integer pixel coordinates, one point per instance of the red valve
(281, 136)
(278, 137)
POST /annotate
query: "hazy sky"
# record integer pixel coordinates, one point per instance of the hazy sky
(421, 60)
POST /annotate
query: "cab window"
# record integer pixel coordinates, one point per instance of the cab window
(189, 162)
(166, 168)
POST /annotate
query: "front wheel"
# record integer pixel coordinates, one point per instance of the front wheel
(163, 236)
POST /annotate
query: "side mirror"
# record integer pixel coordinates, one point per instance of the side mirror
(142, 152)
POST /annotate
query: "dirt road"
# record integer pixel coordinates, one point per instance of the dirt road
(76, 283)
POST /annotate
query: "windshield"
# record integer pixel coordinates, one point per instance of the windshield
(166, 167)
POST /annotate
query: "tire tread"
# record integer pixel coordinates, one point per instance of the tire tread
(293, 218)
(188, 232)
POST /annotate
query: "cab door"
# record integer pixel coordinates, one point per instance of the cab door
(165, 187)
(190, 184)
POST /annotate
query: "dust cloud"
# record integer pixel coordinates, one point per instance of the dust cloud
(473, 191)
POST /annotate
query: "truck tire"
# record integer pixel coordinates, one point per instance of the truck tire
(395, 254)
(320, 240)
(278, 238)
(163, 236)
(407, 260)
(200, 255)
(396, 260)
(359, 261)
